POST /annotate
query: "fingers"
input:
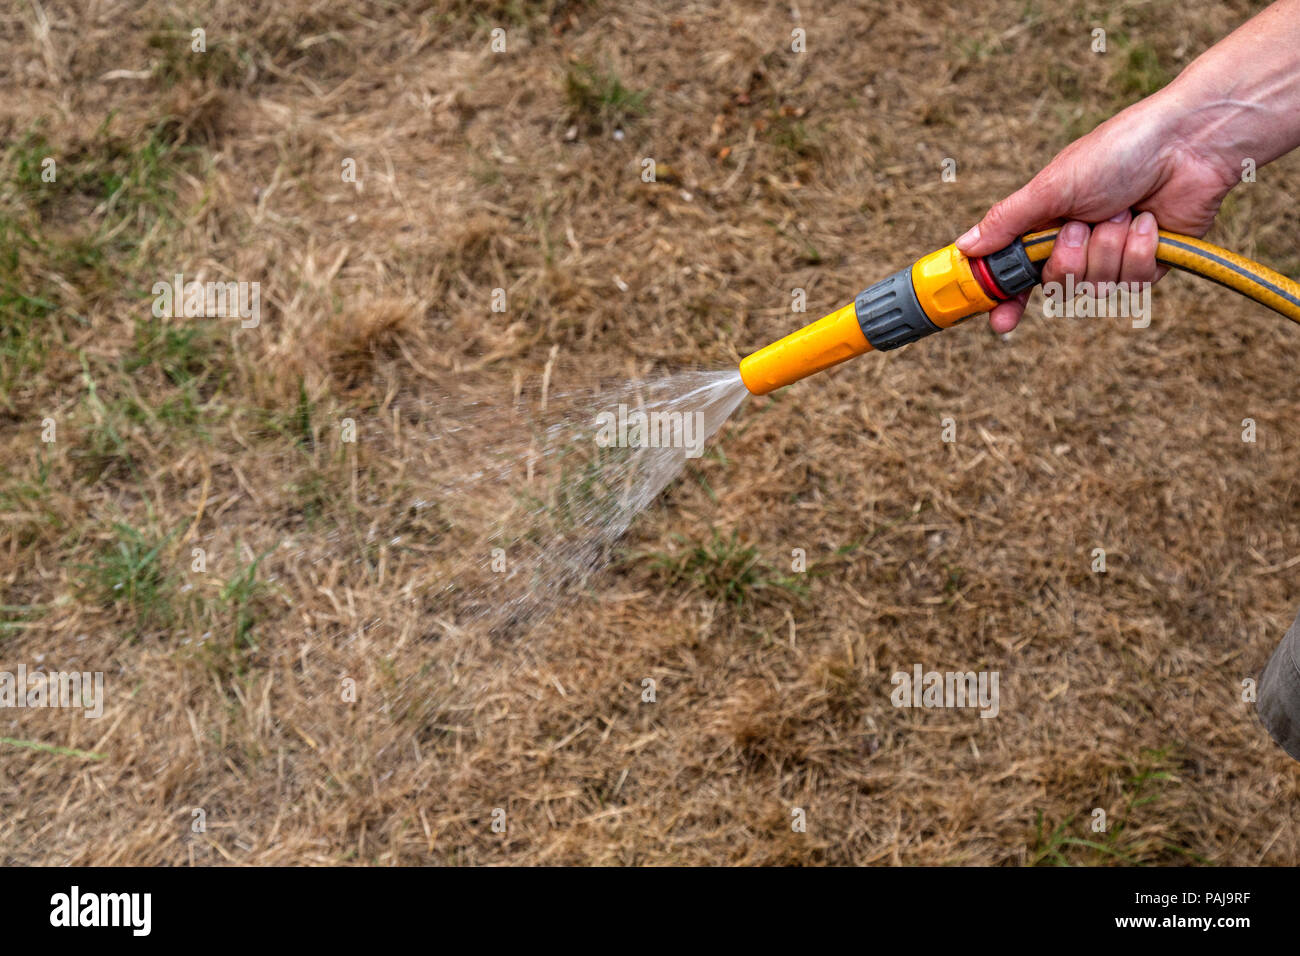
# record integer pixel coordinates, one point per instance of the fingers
(1069, 254)
(1118, 250)
(1006, 315)
(1033, 204)
(1122, 249)
(1139, 261)
(1106, 248)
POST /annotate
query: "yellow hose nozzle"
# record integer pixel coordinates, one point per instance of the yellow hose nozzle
(939, 290)
(826, 342)
(945, 287)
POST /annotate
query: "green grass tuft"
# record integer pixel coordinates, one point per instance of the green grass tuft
(726, 570)
(129, 573)
(600, 99)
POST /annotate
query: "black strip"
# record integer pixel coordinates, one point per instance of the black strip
(305, 908)
(1050, 237)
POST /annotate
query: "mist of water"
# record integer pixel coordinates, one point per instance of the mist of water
(533, 499)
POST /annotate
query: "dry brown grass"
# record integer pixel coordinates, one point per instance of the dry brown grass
(480, 170)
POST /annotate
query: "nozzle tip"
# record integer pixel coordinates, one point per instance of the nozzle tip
(820, 345)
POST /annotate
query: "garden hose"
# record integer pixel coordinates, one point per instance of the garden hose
(946, 287)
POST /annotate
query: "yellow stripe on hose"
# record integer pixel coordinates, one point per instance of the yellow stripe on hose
(1208, 261)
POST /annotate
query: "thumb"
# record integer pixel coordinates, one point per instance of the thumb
(1032, 205)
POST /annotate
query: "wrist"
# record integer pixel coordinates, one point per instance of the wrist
(1227, 118)
(1210, 124)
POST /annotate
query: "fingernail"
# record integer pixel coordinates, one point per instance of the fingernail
(1074, 234)
(1119, 216)
(969, 236)
(1145, 224)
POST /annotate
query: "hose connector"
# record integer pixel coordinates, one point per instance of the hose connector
(947, 288)
(934, 293)
(1012, 270)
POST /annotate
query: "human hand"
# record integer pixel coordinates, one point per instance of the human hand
(1144, 160)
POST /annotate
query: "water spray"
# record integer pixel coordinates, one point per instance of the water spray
(945, 288)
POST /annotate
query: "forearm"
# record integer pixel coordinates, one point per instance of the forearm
(1240, 99)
